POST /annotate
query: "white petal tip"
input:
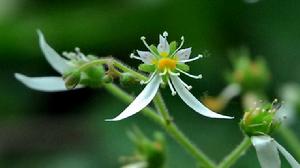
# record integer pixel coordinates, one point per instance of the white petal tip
(19, 76)
(190, 87)
(109, 120)
(173, 93)
(200, 56)
(143, 38)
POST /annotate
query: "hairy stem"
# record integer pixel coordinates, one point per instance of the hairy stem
(236, 153)
(170, 128)
(291, 139)
(161, 107)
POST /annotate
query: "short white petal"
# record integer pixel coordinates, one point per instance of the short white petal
(266, 150)
(45, 84)
(146, 56)
(184, 54)
(142, 100)
(55, 60)
(287, 155)
(191, 101)
(163, 45)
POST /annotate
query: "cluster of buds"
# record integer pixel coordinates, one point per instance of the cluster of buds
(149, 153)
(76, 69)
(252, 75)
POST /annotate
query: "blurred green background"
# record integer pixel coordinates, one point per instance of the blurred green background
(67, 130)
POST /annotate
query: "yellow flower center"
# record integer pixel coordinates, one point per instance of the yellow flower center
(166, 63)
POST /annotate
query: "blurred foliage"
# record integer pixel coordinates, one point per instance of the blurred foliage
(62, 130)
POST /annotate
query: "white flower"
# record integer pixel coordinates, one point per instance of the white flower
(166, 62)
(49, 83)
(267, 152)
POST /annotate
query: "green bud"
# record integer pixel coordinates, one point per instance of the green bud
(252, 75)
(152, 152)
(127, 79)
(183, 67)
(72, 79)
(107, 79)
(147, 68)
(261, 120)
(93, 76)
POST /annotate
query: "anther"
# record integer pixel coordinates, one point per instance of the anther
(165, 34)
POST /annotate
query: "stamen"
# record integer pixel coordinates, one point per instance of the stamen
(163, 73)
(192, 59)
(173, 73)
(70, 55)
(135, 57)
(80, 54)
(143, 38)
(181, 44)
(165, 34)
(171, 88)
(189, 75)
(189, 87)
(147, 81)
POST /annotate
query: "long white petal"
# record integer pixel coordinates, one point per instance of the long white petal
(146, 56)
(191, 101)
(287, 155)
(184, 54)
(163, 45)
(266, 150)
(45, 84)
(142, 100)
(55, 60)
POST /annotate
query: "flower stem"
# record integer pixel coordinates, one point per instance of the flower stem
(170, 128)
(291, 139)
(161, 107)
(236, 153)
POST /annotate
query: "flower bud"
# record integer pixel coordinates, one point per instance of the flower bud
(261, 120)
(149, 152)
(93, 76)
(108, 79)
(252, 75)
(127, 79)
(72, 79)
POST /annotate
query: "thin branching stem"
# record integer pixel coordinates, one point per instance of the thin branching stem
(172, 129)
(163, 119)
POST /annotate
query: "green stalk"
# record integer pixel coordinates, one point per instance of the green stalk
(291, 140)
(164, 120)
(236, 153)
(162, 108)
(170, 128)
